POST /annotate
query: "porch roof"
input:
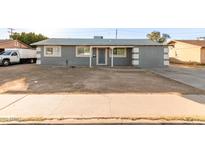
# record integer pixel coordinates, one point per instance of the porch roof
(98, 42)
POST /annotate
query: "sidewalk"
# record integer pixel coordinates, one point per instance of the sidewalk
(98, 108)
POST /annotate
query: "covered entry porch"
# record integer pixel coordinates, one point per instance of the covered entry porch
(111, 56)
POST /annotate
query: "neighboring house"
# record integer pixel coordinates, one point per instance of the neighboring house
(187, 51)
(102, 52)
(12, 44)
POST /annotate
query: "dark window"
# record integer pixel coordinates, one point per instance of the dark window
(14, 54)
(6, 53)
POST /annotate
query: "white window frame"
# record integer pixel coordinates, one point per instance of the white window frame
(119, 56)
(54, 48)
(76, 51)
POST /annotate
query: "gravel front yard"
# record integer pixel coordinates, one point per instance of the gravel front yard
(31, 78)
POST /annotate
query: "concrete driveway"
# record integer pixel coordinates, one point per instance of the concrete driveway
(99, 108)
(193, 76)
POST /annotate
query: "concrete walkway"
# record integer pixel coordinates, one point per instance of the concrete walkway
(194, 77)
(101, 106)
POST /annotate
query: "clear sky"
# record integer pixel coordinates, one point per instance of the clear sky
(175, 33)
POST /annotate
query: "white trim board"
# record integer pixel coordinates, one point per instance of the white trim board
(76, 51)
(55, 48)
(118, 56)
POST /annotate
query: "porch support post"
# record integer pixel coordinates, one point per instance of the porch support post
(91, 54)
(112, 56)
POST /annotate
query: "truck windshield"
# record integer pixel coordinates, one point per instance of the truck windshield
(6, 53)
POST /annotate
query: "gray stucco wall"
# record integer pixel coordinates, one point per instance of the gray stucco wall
(94, 57)
(151, 56)
(68, 57)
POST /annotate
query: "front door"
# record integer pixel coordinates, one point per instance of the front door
(101, 56)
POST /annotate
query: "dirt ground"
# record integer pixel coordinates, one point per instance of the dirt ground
(31, 78)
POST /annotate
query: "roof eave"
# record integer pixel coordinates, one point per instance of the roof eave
(38, 44)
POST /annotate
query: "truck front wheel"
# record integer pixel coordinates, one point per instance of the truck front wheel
(6, 62)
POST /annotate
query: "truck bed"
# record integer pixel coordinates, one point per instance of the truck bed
(24, 53)
(27, 53)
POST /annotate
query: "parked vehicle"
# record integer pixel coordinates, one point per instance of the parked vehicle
(17, 56)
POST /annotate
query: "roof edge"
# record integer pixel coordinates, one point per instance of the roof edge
(57, 41)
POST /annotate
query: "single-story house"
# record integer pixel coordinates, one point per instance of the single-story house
(102, 52)
(12, 44)
(187, 51)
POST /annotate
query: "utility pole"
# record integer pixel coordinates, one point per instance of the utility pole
(10, 31)
(116, 33)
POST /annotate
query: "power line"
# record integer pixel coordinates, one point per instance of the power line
(10, 31)
(116, 33)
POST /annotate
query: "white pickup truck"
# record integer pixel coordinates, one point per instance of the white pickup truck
(12, 56)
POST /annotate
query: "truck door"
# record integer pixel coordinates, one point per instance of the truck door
(14, 57)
